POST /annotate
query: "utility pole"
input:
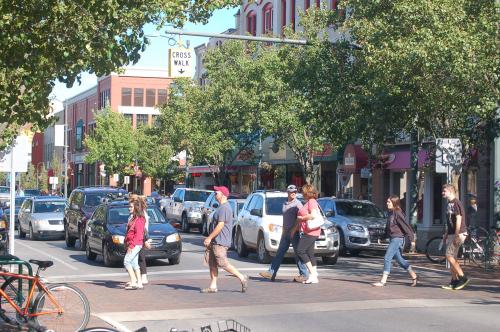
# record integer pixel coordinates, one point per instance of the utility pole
(66, 140)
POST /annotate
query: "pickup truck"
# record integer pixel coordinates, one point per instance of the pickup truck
(185, 206)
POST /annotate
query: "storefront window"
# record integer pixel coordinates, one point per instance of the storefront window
(439, 211)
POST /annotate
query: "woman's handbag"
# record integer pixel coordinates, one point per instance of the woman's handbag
(317, 222)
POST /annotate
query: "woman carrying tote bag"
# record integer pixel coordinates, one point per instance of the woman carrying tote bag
(397, 229)
(308, 236)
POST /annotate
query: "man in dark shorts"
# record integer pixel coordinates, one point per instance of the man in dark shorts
(454, 237)
(218, 242)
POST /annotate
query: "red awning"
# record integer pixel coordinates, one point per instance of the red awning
(355, 158)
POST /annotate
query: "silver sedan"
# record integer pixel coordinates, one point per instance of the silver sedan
(42, 217)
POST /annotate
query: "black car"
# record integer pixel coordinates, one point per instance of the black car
(18, 202)
(105, 234)
(81, 204)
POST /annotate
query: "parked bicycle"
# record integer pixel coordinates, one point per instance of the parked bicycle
(56, 307)
(476, 248)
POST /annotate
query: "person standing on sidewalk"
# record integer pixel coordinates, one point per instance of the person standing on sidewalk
(218, 242)
(454, 237)
(396, 229)
(305, 248)
(290, 210)
(134, 239)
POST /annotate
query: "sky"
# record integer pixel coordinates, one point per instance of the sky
(156, 53)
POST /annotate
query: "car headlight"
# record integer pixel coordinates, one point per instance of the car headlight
(195, 209)
(332, 229)
(173, 238)
(275, 228)
(118, 239)
(355, 228)
(3, 224)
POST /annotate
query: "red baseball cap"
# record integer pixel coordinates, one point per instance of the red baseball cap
(222, 189)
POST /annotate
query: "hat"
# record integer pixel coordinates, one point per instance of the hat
(291, 188)
(222, 189)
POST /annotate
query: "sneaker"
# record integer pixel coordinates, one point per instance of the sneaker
(266, 275)
(462, 282)
(311, 280)
(300, 278)
(451, 285)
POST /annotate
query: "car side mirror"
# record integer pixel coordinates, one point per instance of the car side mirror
(74, 207)
(330, 213)
(256, 212)
(215, 205)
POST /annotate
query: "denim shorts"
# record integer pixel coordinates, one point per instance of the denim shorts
(132, 258)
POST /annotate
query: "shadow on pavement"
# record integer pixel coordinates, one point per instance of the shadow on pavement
(108, 283)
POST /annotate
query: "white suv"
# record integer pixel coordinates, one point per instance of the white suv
(260, 223)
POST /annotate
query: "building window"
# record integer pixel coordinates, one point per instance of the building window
(252, 23)
(104, 98)
(126, 97)
(91, 130)
(155, 119)
(128, 117)
(335, 4)
(162, 96)
(141, 120)
(79, 135)
(292, 13)
(150, 97)
(139, 97)
(267, 14)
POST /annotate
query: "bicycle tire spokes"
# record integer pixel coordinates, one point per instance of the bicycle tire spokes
(75, 313)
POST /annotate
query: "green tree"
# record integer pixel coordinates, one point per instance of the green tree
(43, 179)
(113, 143)
(30, 178)
(47, 40)
(214, 123)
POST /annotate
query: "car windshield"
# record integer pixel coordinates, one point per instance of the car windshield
(49, 206)
(4, 190)
(196, 196)
(274, 205)
(358, 209)
(94, 199)
(119, 215)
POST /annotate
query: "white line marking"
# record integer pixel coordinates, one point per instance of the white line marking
(285, 308)
(50, 256)
(120, 327)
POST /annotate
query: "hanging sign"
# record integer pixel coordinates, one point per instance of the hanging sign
(180, 62)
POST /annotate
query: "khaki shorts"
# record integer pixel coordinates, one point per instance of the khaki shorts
(451, 248)
(217, 256)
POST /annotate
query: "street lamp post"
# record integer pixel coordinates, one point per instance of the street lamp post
(259, 166)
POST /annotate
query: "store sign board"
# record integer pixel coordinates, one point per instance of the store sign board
(448, 155)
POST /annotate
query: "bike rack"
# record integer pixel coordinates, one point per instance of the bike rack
(13, 260)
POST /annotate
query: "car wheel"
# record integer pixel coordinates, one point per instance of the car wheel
(241, 247)
(185, 224)
(70, 241)
(106, 256)
(22, 234)
(32, 234)
(81, 237)
(174, 260)
(90, 255)
(330, 260)
(342, 249)
(262, 253)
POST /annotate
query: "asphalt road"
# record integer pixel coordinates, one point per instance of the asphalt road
(342, 301)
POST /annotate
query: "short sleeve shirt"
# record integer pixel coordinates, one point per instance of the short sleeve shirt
(455, 208)
(290, 212)
(305, 210)
(224, 214)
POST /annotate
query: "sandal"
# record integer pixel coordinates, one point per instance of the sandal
(131, 287)
(244, 284)
(414, 282)
(208, 290)
(379, 284)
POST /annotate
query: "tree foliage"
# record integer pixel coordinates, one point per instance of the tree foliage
(431, 65)
(47, 40)
(113, 143)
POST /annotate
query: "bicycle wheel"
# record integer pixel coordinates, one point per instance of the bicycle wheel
(11, 287)
(74, 303)
(435, 250)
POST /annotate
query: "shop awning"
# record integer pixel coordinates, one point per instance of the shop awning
(399, 160)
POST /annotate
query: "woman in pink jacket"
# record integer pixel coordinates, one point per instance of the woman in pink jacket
(134, 240)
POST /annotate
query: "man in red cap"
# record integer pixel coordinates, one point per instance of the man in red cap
(219, 240)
